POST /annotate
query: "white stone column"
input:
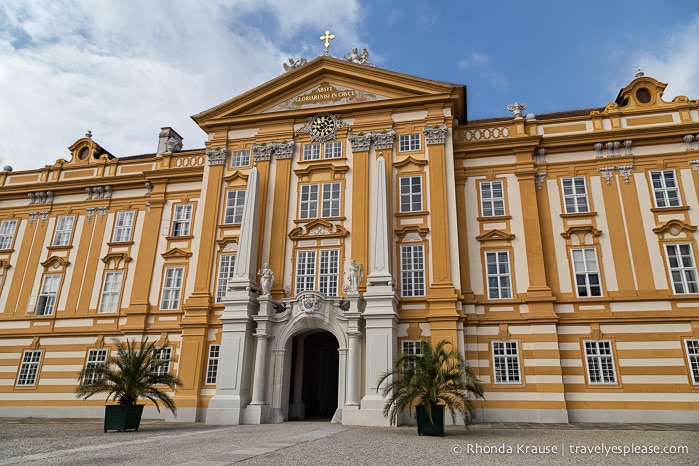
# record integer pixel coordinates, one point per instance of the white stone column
(353, 369)
(276, 414)
(258, 385)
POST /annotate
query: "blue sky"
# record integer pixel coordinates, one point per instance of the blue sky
(123, 69)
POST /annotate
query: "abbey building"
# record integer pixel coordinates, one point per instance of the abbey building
(341, 213)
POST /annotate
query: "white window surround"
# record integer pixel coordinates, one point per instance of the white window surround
(29, 368)
(235, 202)
(588, 281)
(411, 193)
(575, 195)
(48, 294)
(165, 355)
(182, 220)
(64, 228)
(600, 362)
(240, 158)
(95, 358)
(412, 270)
(498, 275)
(409, 142)
(7, 233)
(172, 288)
(506, 362)
(326, 195)
(692, 347)
(682, 268)
(226, 264)
(212, 364)
(492, 198)
(666, 191)
(111, 291)
(123, 227)
(318, 270)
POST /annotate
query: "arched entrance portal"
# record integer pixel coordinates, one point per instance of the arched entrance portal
(314, 376)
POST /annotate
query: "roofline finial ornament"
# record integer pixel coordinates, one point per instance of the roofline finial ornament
(327, 38)
(638, 73)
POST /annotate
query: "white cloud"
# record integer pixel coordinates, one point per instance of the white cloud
(124, 69)
(676, 62)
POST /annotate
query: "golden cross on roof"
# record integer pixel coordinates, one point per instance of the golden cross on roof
(327, 38)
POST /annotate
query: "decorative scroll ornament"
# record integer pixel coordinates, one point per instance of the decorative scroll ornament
(292, 65)
(216, 156)
(539, 179)
(359, 58)
(607, 174)
(435, 135)
(625, 171)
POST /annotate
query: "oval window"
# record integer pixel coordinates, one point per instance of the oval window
(643, 95)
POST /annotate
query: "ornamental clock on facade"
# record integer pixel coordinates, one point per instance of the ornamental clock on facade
(323, 127)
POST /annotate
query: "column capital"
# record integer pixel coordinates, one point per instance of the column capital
(435, 134)
(216, 156)
(359, 142)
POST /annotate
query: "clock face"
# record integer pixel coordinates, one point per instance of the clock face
(323, 125)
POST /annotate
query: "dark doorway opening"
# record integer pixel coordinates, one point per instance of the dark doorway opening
(319, 375)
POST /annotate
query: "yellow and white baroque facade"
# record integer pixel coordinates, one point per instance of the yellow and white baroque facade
(341, 213)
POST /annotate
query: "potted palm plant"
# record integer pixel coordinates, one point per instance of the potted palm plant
(433, 380)
(136, 371)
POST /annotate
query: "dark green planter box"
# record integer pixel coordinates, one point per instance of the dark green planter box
(122, 417)
(424, 426)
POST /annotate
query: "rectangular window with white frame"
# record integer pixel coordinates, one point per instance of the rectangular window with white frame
(332, 150)
(411, 193)
(331, 200)
(64, 229)
(182, 220)
(692, 347)
(29, 368)
(498, 278)
(327, 195)
(506, 362)
(666, 191)
(7, 233)
(311, 152)
(327, 264)
(411, 348)
(212, 364)
(111, 291)
(226, 264)
(682, 267)
(240, 158)
(161, 364)
(412, 262)
(600, 362)
(409, 142)
(308, 207)
(95, 358)
(235, 203)
(492, 198)
(587, 274)
(575, 195)
(172, 288)
(123, 227)
(46, 304)
(329, 271)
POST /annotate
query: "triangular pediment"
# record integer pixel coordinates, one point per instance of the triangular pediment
(328, 84)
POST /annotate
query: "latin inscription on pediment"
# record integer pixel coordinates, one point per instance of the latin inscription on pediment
(324, 95)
